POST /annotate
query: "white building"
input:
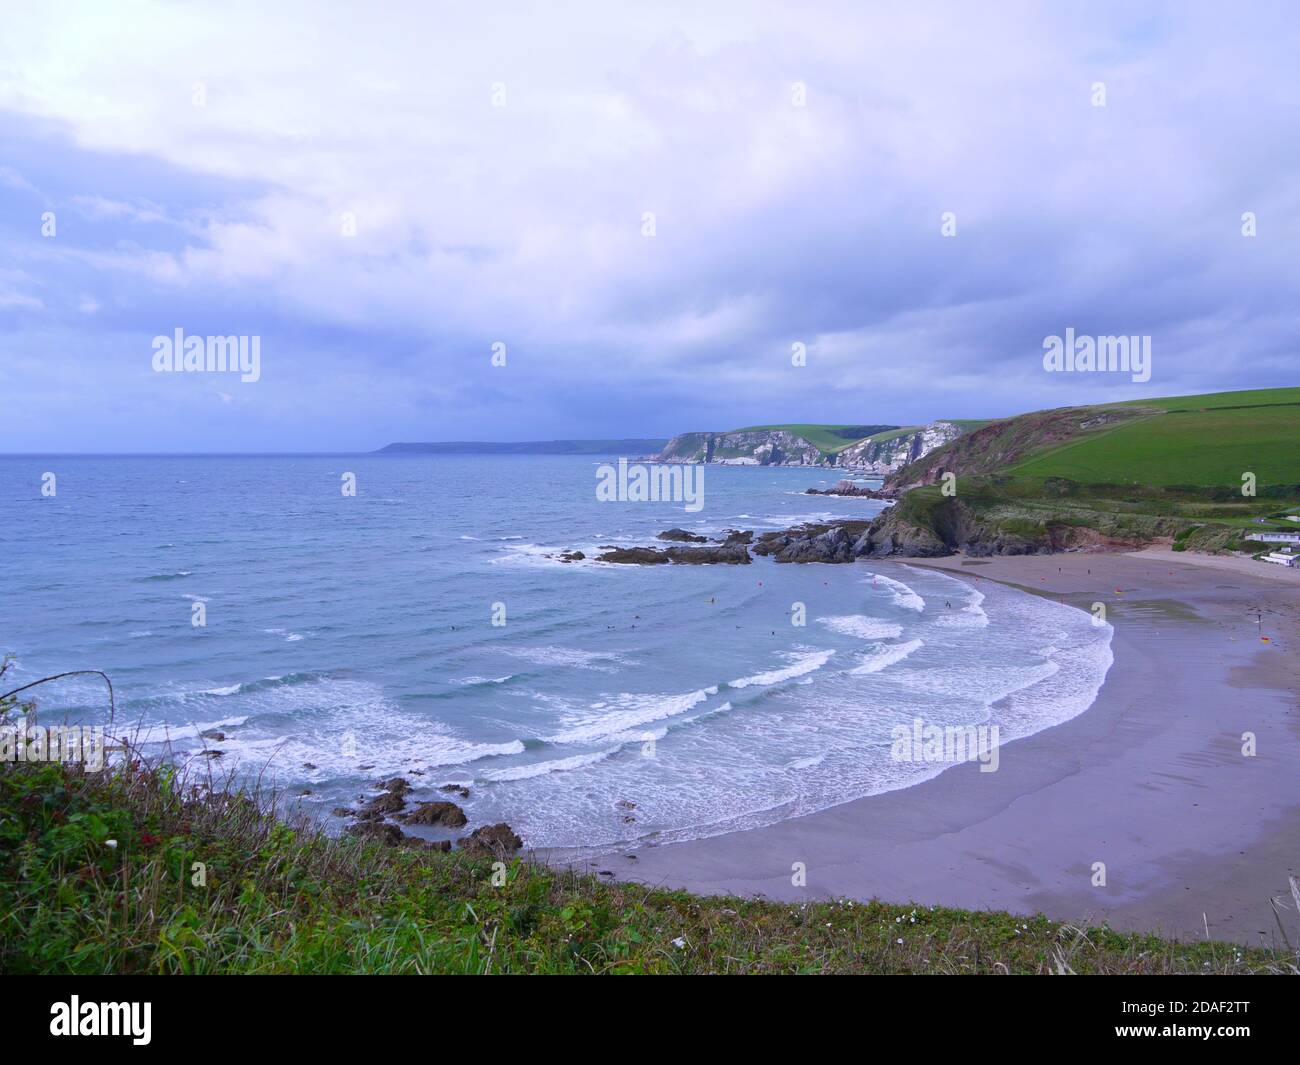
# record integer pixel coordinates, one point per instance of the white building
(1281, 559)
(1277, 537)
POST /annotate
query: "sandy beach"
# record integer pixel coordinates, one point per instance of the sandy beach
(1151, 780)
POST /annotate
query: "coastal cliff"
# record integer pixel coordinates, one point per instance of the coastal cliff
(869, 449)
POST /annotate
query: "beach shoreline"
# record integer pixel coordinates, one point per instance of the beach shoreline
(1151, 780)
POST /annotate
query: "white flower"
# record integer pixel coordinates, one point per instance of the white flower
(111, 843)
(679, 942)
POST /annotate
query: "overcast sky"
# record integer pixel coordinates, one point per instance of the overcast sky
(200, 163)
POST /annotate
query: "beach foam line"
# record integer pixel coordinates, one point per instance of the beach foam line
(900, 593)
(802, 662)
(887, 656)
(972, 615)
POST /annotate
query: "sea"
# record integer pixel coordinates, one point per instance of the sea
(425, 627)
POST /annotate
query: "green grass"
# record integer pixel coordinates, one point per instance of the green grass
(1210, 448)
(278, 896)
(1255, 397)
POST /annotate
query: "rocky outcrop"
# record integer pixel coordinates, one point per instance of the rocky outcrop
(497, 841)
(728, 554)
(813, 543)
(383, 831)
(888, 536)
(848, 488)
(682, 536)
(446, 814)
(738, 536)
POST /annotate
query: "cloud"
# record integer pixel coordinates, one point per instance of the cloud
(354, 196)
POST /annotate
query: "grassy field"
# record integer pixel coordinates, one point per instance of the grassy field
(137, 871)
(1255, 397)
(1211, 447)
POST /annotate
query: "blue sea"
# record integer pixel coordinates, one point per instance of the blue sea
(348, 639)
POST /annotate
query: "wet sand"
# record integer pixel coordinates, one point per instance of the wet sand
(1151, 780)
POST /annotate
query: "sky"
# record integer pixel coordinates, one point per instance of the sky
(645, 210)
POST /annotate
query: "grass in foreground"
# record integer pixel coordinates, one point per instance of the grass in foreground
(204, 881)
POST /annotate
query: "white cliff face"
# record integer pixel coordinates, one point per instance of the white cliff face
(885, 456)
(757, 447)
(780, 447)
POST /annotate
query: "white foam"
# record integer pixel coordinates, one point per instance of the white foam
(900, 593)
(801, 662)
(862, 626)
(630, 710)
(540, 769)
(886, 656)
(601, 661)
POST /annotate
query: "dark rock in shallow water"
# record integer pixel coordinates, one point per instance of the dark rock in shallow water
(437, 813)
(738, 536)
(727, 554)
(848, 488)
(814, 543)
(682, 536)
(395, 786)
(388, 834)
(572, 556)
(497, 841)
(456, 789)
(387, 803)
(644, 556)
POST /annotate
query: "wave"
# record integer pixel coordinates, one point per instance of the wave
(285, 681)
(178, 575)
(802, 662)
(541, 769)
(970, 616)
(900, 593)
(636, 709)
(886, 656)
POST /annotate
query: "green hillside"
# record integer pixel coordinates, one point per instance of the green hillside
(1118, 473)
(1207, 447)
